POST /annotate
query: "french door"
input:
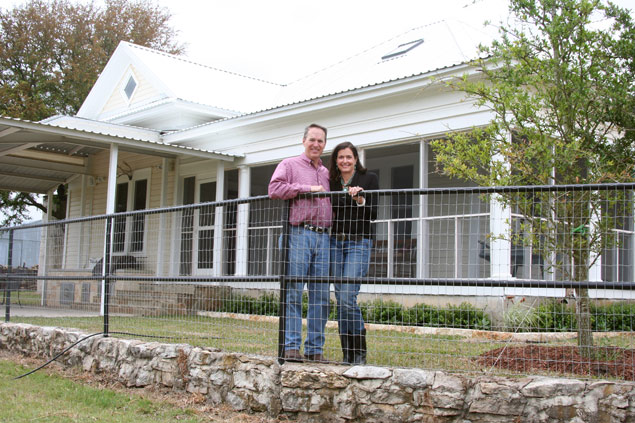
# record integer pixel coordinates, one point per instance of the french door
(197, 228)
(203, 230)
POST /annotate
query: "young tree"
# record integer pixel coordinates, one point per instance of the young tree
(559, 82)
(51, 53)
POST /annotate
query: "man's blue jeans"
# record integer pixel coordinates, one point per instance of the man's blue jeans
(308, 256)
(349, 259)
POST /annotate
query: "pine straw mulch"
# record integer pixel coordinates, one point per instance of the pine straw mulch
(610, 362)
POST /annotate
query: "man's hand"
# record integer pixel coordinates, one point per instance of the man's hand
(317, 188)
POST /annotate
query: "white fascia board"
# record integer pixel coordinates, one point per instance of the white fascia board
(84, 137)
(108, 78)
(123, 57)
(318, 104)
(158, 109)
(95, 126)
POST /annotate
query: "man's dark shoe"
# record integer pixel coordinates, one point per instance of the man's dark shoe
(345, 340)
(293, 356)
(357, 344)
(318, 358)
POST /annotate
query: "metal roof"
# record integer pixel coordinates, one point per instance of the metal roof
(37, 157)
(446, 44)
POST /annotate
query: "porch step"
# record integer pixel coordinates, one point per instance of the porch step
(152, 303)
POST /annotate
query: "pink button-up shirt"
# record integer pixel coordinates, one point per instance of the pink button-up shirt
(295, 175)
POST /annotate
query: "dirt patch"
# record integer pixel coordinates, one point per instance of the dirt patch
(610, 362)
(196, 402)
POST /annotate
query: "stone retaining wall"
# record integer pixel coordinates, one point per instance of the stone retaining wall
(323, 392)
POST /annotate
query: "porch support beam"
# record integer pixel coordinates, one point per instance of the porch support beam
(422, 227)
(110, 208)
(218, 219)
(500, 230)
(163, 218)
(23, 188)
(33, 177)
(242, 221)
(39, 164)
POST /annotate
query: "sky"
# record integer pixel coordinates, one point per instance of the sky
(283, 40)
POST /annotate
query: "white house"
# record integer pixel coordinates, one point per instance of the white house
(159, 130)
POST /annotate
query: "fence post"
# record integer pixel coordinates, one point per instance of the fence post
(282, 310)
(7, 288)
(106, 273)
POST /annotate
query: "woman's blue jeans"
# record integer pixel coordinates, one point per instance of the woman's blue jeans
(308, 256)
(349, 259)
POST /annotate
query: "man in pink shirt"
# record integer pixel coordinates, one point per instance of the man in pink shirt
(308, 243)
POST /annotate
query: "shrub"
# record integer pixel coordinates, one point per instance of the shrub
(380, 311)
(556, 316)
(461, 316)
(613, 317)
(521, 318)
(551, 316)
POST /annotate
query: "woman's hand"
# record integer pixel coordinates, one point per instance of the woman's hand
(354, 192)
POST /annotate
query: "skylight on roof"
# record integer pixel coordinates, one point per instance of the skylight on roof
(402, 49)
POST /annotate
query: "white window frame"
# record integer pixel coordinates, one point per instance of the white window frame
(122, 88)
(196, 228)
(137, 175)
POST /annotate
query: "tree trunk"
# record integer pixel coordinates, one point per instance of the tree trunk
(582, 307)
(583, 315)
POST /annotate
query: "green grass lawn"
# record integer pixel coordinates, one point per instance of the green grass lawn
(47, 397)
(23, 297)
(385, 347)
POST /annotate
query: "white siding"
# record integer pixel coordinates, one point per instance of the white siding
(144, 92)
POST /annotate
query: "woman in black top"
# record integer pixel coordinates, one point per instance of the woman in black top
(351, 243)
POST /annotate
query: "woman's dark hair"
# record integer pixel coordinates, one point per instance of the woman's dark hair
(334, 172)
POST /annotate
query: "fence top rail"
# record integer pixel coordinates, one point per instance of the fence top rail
(384, 192)
(137, 212)
(623, 186)
(367, 280)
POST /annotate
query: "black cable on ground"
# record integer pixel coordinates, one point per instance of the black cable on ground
(58, 355)
(100, 333)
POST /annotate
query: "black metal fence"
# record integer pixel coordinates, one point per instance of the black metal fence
(461, 279)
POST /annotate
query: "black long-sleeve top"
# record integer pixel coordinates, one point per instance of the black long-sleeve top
(348, 217)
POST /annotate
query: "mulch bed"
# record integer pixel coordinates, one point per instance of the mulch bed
(613, 362)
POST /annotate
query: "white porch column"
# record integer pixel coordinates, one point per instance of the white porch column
(175, 240)
(110, 208)
(163, 219)
(500, 220)
(595, 271)
(82, 251)
(500, 244)
(218, 219)
(423, 254)
(112, 178)
(242, 221)
(362, 155)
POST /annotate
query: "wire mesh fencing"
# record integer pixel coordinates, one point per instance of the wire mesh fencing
(513, 280)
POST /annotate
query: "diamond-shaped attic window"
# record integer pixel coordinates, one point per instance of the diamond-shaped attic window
(130, 87)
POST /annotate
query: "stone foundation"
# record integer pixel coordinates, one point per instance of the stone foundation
(324, 392)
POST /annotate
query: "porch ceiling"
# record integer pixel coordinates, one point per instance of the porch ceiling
(37, 157)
